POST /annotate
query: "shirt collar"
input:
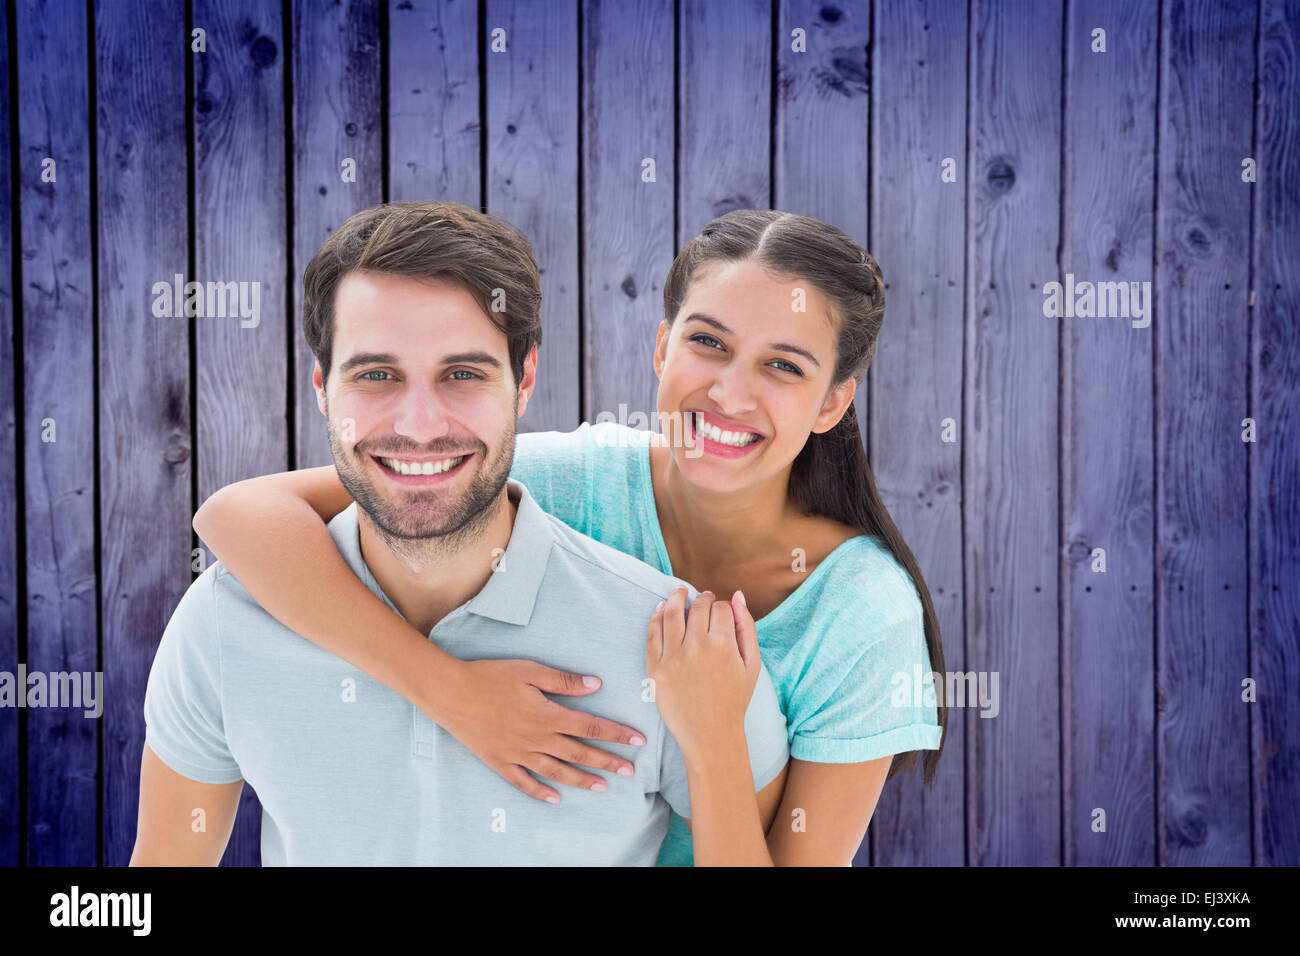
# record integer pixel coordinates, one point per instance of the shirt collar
(511, 591)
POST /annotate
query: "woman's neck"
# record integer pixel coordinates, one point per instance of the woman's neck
(705, 530)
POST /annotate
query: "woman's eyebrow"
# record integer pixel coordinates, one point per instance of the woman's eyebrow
(776, 346)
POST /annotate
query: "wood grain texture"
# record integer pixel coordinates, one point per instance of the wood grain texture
(11, 515)
(59, 403)
(532, 181)
(1202, 362)
(433, 101)
(144, 379)
(1275, 459)
(1010, 433)
(627, 235)
(1108, 494)
(724, 95)
(918, 224)
(240, 236)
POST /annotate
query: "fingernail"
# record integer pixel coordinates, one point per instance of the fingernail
(638, 740)
(552, 799)
(660, 606)
(591, 681)
(626, 771)
(741, 595)
(598, 785)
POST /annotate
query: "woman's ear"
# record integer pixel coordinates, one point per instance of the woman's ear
(838, 400)
(661, 348)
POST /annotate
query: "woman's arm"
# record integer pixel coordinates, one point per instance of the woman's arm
(704, 666)
(702, 688)
(270, 533)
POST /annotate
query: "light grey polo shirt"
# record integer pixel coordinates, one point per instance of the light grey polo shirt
(351, 773)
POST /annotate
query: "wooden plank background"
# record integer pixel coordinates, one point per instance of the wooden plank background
(1121, 694)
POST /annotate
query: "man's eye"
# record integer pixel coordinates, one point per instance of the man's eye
(464, 371)
(701, 336)
(375, 371)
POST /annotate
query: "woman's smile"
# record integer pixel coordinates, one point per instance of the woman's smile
(714, 438)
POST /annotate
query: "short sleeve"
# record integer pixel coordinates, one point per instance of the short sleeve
(877, 701)
(182, 701)
(765, 733)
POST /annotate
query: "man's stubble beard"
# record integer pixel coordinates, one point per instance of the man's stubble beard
(425, 523)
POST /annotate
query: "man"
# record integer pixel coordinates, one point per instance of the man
(423, 320)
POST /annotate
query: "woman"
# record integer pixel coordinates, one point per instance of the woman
(770, 321)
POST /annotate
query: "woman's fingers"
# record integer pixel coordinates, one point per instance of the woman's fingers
(674, 616)
(523, 781)
(553, 681)
(576, 723)
(697, 626)
(654, 638)
(746, 629)
(547, 766)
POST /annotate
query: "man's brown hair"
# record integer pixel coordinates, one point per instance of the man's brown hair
(422, 240)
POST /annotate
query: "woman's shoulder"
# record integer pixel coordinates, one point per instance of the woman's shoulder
(867, 582)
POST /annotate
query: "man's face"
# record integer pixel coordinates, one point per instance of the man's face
(420, 382)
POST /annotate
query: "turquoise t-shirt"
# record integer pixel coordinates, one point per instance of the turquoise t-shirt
(837, 649)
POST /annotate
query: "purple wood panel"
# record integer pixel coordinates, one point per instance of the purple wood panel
(336, 117)
(724, 110)
(433, 101)
(532, 180)
(1108, 494)
(11, 518)
(822, 79)
(627, 230)
(239, 236)
(1275, 458)
(144, 381)
(1010, 432)
(58, 404)
(1202, 364)
(918, 227)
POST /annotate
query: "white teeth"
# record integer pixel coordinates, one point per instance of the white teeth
(712, 432)
(421, 467)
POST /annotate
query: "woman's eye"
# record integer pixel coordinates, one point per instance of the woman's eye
(701, 337)
(788, 366)
(375, 371)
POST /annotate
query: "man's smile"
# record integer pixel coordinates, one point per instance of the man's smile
(421, 471)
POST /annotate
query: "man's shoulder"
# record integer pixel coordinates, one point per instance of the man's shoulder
(608, 568)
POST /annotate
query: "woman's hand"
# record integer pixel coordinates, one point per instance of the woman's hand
(498, 711)
(704, 668)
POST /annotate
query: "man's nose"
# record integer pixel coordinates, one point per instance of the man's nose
(421, 414)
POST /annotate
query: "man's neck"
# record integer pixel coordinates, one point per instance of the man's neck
(430, 578)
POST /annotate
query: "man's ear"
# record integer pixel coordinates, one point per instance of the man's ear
(838, 400)
(661, 348)
(529, 381)
(318, 383)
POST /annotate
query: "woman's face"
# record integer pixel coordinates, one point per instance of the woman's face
(746, 369)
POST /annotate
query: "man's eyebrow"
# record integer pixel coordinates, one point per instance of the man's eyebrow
(387, 358)
(778, 346)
